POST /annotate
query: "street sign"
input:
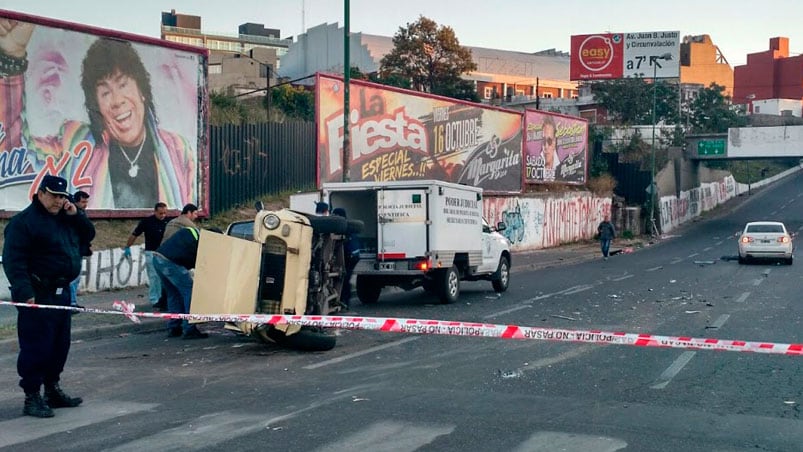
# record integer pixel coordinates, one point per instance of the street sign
(711, 147)
(618, 55)
(652, 53)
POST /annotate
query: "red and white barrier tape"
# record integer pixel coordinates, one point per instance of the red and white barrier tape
(452, 328)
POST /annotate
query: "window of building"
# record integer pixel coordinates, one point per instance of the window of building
(547, 95)
(488, 92)
(519, 92)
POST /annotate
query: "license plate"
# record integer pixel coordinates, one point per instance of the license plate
(387, 266)
(766, 241)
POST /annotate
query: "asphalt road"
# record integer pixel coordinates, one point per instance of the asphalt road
(384, 391)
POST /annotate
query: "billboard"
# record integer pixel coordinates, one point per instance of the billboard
(619, 55)
(405, 135)
(555, 148)
(120, 117)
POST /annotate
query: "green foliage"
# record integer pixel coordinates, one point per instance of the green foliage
(627, 234)
(224, 108)
(428, 58)
(711, 111)
(629, 100)
(295, 102)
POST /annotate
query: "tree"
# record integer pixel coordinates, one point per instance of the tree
(431, 58)
(711, 111)
(295, 102)
(629, 100)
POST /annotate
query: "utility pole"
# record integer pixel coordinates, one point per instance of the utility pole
(346, 91)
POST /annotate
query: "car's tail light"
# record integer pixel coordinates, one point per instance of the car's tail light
(423, 265)
(746, 239)
(784, 239)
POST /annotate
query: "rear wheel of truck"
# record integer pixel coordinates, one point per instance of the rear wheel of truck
(501, 278)
(449, 285)
(306, 340)
(368, 289)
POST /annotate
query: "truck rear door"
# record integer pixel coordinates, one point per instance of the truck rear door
(403, 223)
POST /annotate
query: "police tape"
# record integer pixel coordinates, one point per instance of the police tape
(456, 328)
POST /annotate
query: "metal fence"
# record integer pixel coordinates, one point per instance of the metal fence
(252, 160)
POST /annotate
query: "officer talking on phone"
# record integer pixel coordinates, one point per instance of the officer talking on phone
(41, 257)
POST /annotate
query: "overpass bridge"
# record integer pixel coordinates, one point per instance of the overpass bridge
(747, 143)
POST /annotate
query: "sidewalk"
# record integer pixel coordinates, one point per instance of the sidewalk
(90, 326)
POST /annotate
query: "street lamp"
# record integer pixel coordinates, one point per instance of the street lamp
(653, 189)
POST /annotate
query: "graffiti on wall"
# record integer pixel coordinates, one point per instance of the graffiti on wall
(691, 203)
(535, 223)
(110, 269)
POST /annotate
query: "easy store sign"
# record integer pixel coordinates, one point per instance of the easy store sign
(619, 55)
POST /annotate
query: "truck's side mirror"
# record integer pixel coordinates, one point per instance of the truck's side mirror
(259, 206)
(501, 226)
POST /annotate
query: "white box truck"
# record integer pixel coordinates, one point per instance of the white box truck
(424, 233)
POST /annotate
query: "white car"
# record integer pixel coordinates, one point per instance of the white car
(765, 240)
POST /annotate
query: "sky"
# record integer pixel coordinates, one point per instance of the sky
(738, 27)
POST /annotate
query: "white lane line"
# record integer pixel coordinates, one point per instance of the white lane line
(571, 441)
(673, 370)
(800, 228)
(390, 435)
(367, 351)
(570, 290)
(577, 289)
(718, 243)
(707, 248)
(24, 429)
(757, 282)
(622, 278)
(676, 260)
(507, 311)
(743, 297)
(720, 321)
(654, 268)
(692, 255)
(774, 213)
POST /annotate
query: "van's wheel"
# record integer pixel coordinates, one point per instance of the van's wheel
(501, 278)
(789, 261)
(368, 289)
(449, 284)
(742, 260)
(306, 340)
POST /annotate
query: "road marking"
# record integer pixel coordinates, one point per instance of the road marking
(549, 441)
(692, 255)
(24, 429)
(654, 268)
(720, 320)
(673, 370)
(622, 278)
(774, 213)
(508, 311)
(800, 228)
(367, 351)
(718, 243)
(767, 272)
(707, 249)
(757, 282)
(743, 297)
(387, 435)
(676, 260)
(577, 289)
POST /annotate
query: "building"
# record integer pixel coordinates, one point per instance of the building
(771, 74)
(238, 62)
(501, 77)
(701, 64)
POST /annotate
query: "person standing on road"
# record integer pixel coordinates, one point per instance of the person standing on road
(154, 228)
(606, 233)
(186, 220)
(81, 200)
(351, 255)
(41, 256)
(173, 261)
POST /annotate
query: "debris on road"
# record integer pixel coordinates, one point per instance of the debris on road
(692, 312)
(558, 316)
(704, 263)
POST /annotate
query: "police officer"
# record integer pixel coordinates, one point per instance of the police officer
(41, 257)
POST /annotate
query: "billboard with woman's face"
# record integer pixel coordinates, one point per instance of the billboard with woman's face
(120, 118)
(555, 148)
(403, 135)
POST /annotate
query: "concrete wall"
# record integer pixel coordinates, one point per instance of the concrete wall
(535, 222)
(676, 210)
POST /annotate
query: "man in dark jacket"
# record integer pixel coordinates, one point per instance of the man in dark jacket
(173, 261)
(41, 256)
(154, 229)
(606, 235)
(81, 200)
